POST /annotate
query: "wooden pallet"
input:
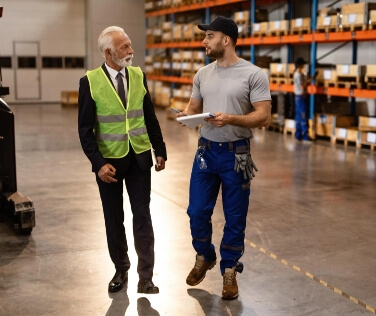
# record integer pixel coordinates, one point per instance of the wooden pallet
(366, 145)
(278, 33)
(327, 29)
(300, 31)
(354, 27)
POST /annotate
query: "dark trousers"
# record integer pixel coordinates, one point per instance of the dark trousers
(138, 185)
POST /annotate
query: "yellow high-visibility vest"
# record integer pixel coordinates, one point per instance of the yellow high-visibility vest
(117, 126)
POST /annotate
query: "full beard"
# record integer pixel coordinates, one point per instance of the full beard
(124, 62)
(216, 53)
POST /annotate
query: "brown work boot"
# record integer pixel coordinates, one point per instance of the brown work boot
(230, 286)
(198, 272)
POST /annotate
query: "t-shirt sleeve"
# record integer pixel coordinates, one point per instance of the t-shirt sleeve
(259, 87)
(196, 94)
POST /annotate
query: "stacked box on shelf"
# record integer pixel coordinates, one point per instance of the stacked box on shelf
(162, 94)
(326, 124)
(149, 5)
(176, 64)
(350, 76)
(279, 28)
(166, 3)
(356, 15)
(188, 31)
(157, 34)
(300, 25)
(167, 31)
(370, 76)
(367, 131)
(166, 67)
(328, 23)
(372, 19)
(278, 73)
(260, 29)
(186, 58)
(158, 65)
(326, 77)
(241, 18)
(150, 36)
(149, 69)
(346, 134)
(177, 32)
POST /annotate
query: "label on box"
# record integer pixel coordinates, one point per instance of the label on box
(290, 123)
(327, 20)
(342, 133)
(327, 74)
(372, 121)
(351, 18)
(256, 27)
(279, 67)
(322, 119)
(277, 25)
(299, 22)
(345, 69)
(371, 137)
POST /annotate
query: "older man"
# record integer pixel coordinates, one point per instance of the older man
(118, 129)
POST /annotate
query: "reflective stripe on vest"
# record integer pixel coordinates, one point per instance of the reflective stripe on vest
(117, 126)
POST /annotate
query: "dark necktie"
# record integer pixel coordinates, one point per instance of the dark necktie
(121, 90)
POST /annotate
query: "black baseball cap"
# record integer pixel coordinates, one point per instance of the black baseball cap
(300, 62)
(222, 24)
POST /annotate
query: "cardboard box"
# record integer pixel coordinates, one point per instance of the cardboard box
(326, 124)
(367, 123)
(282, 26)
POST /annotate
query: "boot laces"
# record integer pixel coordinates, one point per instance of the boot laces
(229, 278)
(198, 264)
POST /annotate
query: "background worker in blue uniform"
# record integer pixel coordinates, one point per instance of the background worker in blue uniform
(117, 126)
(237, 93)
(300, 85)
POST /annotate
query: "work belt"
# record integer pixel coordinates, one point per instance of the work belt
(243, 158)
(238, 145)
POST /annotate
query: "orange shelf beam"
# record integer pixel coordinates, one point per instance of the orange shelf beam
(193, 44)
(204, 5)
(363, 93)
(172, 79)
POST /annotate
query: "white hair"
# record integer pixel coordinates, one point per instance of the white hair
(105, 41)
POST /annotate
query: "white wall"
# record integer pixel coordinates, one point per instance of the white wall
(66, 28)
(58, 26)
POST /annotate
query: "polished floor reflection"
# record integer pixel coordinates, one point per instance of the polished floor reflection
(310, 238)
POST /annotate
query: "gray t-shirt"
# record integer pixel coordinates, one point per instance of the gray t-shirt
(298, 83)
(230, 90)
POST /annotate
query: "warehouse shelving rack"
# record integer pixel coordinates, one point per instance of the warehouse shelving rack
(312, 39)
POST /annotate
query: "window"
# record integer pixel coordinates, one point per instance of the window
(27, 62)
(5, 62)
(52, 62)
(74, 62)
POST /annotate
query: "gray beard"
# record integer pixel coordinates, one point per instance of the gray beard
(122, 62)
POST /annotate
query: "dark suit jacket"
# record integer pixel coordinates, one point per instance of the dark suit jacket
(86, 124)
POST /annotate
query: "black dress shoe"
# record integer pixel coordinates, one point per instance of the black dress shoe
(118, 281)
(147, 286)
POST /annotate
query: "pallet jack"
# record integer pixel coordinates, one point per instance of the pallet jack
(14, 207)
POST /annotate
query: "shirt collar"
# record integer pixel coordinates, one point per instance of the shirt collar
(113, 73)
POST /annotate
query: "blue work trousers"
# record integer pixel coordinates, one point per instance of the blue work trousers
(204, 188)
(301, 127)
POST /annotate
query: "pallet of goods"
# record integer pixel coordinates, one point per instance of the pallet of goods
(279, 28)
(329, 23)
(326, 77)
(355, 16)
(370, 77)
(241, 18)
(347, 135)
(300, 26)
(326, 124)
(260, 29)
(372, 20)
(278, 73)
(350, 76)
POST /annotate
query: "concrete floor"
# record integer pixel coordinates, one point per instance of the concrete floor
(310, 239)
